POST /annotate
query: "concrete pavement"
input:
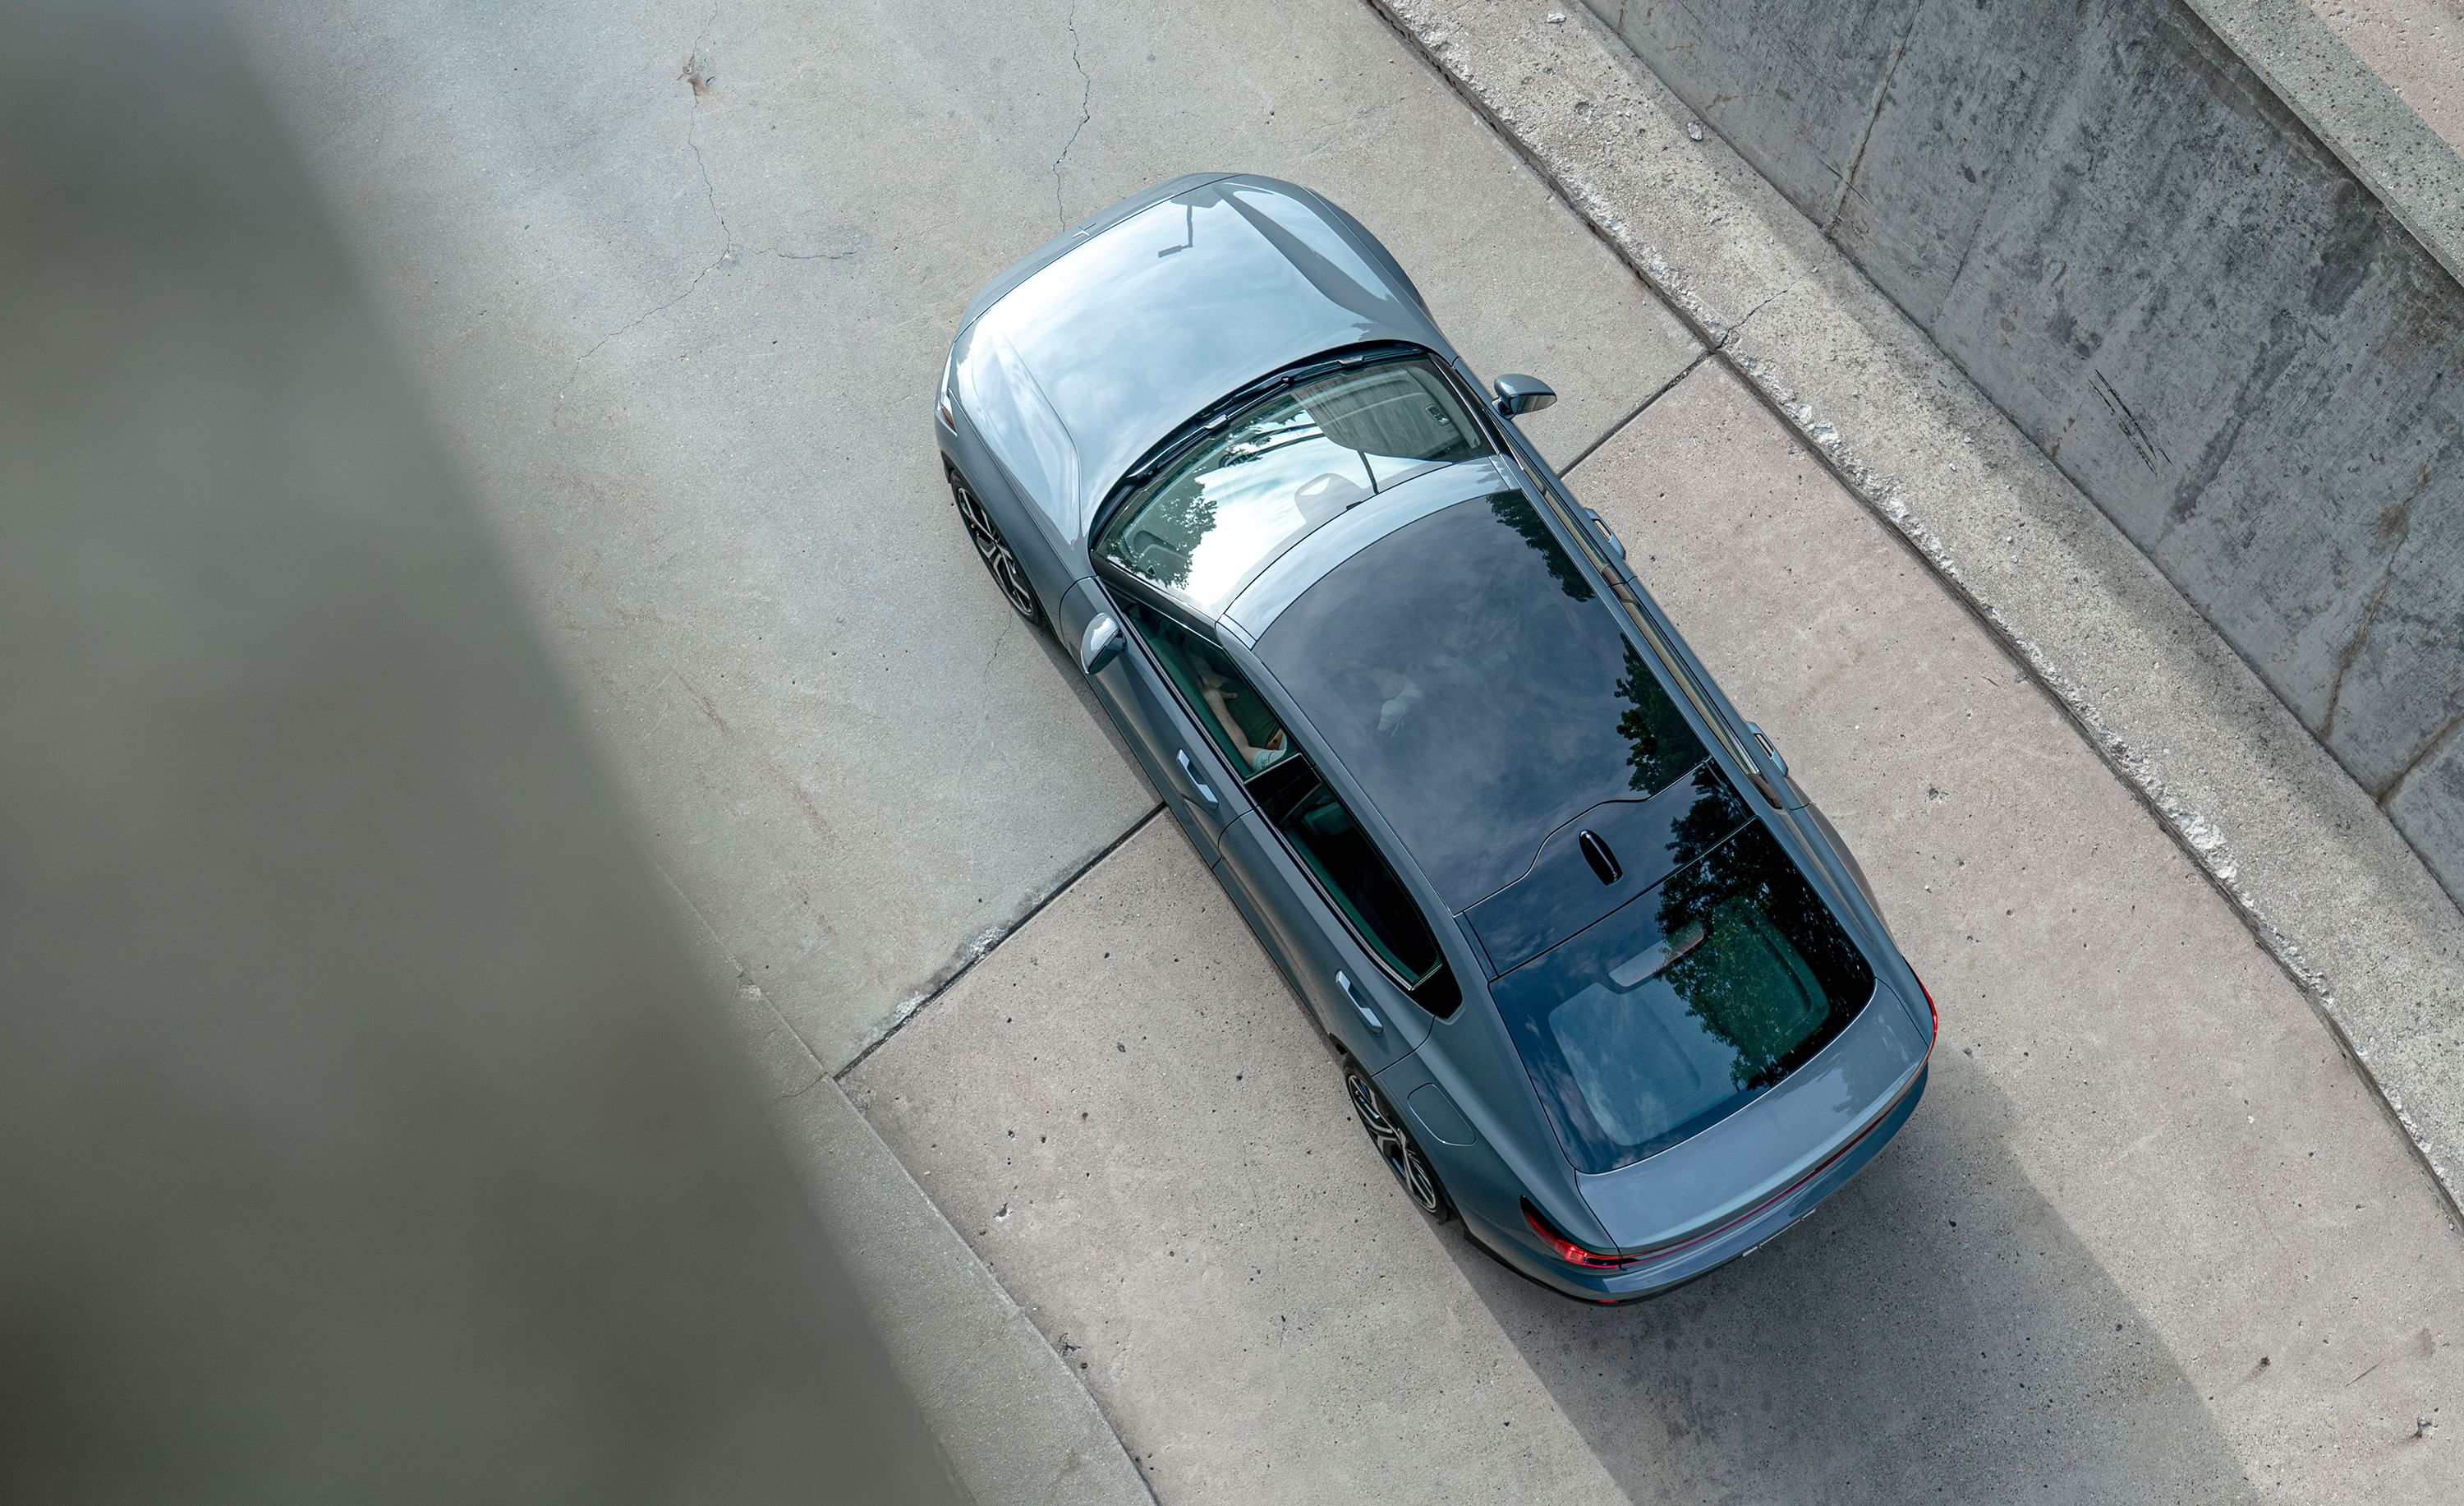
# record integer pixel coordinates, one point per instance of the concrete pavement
(1012, 1419)
(677, 281)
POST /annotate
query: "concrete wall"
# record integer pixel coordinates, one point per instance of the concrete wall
(2223, 307)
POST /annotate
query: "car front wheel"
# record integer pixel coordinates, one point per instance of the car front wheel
(994, 549)
(1394, 1145)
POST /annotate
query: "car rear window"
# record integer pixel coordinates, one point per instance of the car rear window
(1280, 468)
(1682, 1006)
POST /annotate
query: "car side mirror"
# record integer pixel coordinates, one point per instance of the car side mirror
(1518, 394)
(1102, 644)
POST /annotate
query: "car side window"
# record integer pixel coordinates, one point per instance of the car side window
(1320, 830)
(1364, 887)
(1243, 725)
(1358, 878)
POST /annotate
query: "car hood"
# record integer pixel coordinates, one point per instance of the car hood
(1737, 1165)
(1076, 361)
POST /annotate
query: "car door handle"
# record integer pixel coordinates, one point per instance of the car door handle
(1606, 532)
(1368, 1015)
(1764, 738)
(1189, 772)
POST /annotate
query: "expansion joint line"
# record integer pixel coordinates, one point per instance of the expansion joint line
(987, 943)
(1649, 398)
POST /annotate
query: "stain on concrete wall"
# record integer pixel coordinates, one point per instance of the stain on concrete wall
(2165, 278)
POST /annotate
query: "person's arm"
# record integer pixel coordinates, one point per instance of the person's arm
(1213, 691)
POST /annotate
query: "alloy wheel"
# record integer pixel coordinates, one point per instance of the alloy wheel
(994, 550)
(1394, 1146)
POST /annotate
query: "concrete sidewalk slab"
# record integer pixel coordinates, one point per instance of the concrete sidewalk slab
(2417, 46)
(1018, 1427)
(1014, 1423)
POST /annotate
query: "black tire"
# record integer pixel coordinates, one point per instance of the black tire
(1001, 560)
(1394, 1145)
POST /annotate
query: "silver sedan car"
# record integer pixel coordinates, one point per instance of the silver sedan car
(1598, 977)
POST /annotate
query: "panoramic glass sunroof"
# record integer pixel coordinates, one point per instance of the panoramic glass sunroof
(1465, 671)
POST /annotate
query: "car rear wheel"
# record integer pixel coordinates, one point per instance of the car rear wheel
(1394, 1145)
(994, 549)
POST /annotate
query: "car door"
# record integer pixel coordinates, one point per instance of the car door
(1310, 880)
(1184, 764)
(1323, 952)
(1316, 887)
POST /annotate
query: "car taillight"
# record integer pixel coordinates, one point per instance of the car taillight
(1567, 1251)
(1929, 1005)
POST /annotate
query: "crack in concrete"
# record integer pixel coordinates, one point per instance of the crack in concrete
(984, 710)
(1085, 113)
(698, 75)
(1733, 330)
(2351, 652)
(2438, 740)
(695, 75)
(2370, 615)
(1881, 97)
(626, 328)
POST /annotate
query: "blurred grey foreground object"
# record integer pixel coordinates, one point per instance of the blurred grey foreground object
(364, 1135)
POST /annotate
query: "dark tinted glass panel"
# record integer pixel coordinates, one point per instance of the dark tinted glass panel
(1478, 689)
(1563, 893)
(1287, 465)
(1235, 715)
(1357, 876)
(1676, 1010)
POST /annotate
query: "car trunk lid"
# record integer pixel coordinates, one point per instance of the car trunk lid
(1735, 1167)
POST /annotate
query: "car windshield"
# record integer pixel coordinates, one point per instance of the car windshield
(1481, 692)
(1678, 1008)
(1280, 468)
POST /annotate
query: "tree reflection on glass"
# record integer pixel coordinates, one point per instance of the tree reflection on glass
(1186, 512)
(1265, 478)
(1660, 745)
(1516, 510)
(1773, 963)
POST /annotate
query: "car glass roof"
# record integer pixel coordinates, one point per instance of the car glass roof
(1465, 673)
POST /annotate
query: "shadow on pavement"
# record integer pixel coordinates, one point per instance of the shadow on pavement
(1934, 1332)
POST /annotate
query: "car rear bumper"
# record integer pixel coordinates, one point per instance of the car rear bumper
(1741, 1238)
